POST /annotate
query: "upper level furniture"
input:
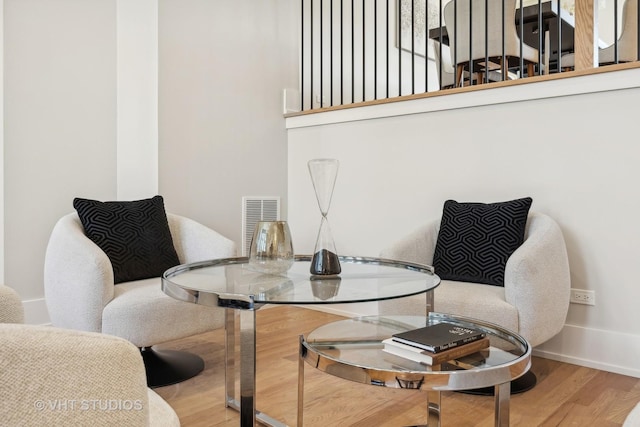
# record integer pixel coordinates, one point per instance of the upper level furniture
(555, 38)
(387, 61)
(627, 41)
(483, 36)
(447, 74)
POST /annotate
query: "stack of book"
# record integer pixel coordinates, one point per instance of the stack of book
(436, 344)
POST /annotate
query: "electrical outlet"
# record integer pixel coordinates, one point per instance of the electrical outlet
(582, 296)
(321, 99)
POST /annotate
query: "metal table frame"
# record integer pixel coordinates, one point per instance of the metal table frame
(244, 305)
(324, 354)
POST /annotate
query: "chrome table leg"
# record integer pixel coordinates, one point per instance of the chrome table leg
(247, 403)
(229, 360)
(429, 302)
(247, 368)
(433, 408)
(502, 398)
(300, 383)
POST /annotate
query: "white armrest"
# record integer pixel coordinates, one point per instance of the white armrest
(537, 280)
(53, 376)
(78, 277)
(11, 309)
(417, 247)
(196, 242)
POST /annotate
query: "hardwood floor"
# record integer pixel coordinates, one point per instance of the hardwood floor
(566, 395)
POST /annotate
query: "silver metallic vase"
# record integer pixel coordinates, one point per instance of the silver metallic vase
(271, 249)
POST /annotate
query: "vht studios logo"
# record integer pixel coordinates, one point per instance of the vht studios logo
(88, 405)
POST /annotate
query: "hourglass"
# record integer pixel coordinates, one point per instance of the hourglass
(325, 262)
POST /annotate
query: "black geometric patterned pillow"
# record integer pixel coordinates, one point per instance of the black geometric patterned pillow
(135, 236)
(476, 239)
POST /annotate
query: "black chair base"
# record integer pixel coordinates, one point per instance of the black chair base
(166, 367)
(519, 385)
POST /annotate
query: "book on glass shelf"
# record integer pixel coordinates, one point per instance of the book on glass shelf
(438, 337)
(428, 358)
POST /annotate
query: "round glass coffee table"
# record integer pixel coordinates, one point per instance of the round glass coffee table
(232, 283)
(352, 349)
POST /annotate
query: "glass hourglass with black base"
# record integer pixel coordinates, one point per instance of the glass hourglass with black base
(325, 262)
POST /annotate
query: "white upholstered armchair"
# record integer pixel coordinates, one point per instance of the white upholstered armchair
(11, 310)
(53, 376)
(534, 300)
(80, 294)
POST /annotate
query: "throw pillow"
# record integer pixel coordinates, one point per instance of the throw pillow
(135, 236)
(476, 239)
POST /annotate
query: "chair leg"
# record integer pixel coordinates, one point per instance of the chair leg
(530, 70)
(166, 367)
(504, 68)
(459, 71)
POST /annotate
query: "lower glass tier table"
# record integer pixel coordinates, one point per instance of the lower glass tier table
(352, 349)
(232, 283)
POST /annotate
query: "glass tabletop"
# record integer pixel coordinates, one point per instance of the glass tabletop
(231, 282)
(352, 349)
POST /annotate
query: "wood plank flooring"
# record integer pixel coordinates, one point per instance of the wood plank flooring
(566, 395)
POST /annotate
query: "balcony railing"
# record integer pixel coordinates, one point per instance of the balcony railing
(355, 51)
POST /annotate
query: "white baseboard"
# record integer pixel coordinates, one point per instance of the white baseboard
(609, 351)
(35, 312)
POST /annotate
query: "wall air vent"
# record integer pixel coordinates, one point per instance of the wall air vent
(256, 209)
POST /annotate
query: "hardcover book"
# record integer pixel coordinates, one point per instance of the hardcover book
(429, 358)
(438, 337)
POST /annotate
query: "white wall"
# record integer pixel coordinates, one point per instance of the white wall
(59, 123)
(576, 155)
(137, 108)
(222, 68)
(81, 105)
(2, 141)
(80, 119)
